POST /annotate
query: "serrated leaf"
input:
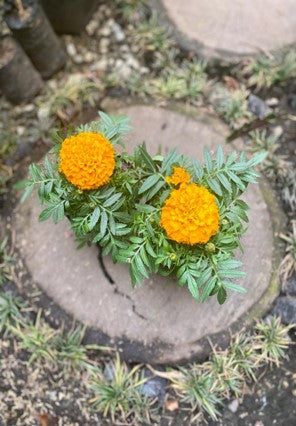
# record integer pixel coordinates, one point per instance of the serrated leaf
(94, 218)
(141, 266)
(154, 191)
(48, 166)
(45, 214)
(220, 156)
(169, 160)
(27, 193)
(103, 223)
(198, 169)
(148, 183)
(192, 286)
(224, 182)
(208, 289)
(215, 187)
(234, 287)
(222, 295)
(112, 200)
(208, 159)
(231, 273)
(257, 159)
(236, 180)
(147, 158)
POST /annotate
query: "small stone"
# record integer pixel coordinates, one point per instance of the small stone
(20, 130)
(92, 27)
(272, 102)
(285, 307)
(257, 106)
(28, 108)
(105, 31)
(78, 59)
(118, 33)
(290, 287)
(104, 44)
(233, 406)
(71, 49)
(89, 56)
(154, 387)
(100, 65)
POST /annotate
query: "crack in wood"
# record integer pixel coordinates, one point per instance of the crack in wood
(112, 282)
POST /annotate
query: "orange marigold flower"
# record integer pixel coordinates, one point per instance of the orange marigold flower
(180, 175)
(190, 214)
(87, 160)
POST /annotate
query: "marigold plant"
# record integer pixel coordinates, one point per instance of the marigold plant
(164, 214)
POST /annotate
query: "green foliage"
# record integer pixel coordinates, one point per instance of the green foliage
(179, 82)
(231, 104)
(10, 311)
(70, 350)
(6, 261)
(116, 391)
(266, 71)
(123, 216)
(288, 265)
(37, 339)
(198, 389)
(272, 340)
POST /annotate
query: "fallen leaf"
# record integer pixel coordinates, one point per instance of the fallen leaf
(231, 83)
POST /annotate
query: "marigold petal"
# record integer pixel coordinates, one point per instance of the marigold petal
(87, 160)
(190, 215)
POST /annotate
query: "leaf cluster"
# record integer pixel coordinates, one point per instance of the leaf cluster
(123, 216)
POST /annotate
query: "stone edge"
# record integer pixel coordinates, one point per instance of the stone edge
(214, 56)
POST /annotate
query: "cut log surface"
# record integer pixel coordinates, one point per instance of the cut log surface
(158, 322)
(229, 29)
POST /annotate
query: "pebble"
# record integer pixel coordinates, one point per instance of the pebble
(257, 106)
(71, 49)
(100, 65)
(118, 32)
(272, 102)
(104, 44)
(89, 56)
(233, 405)
(290, 287)
(285, 307)
(154, 387)
(91, 27)
(105, 31)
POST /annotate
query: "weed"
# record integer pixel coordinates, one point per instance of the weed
(10, 311)
(231, 104)
(186, 81)
(266, 71)
(117, 393)
(77, 91)
(242, 349)
(70, 350)
(223, 368)
(37, 339)
(198, 389)
(288, 265)
(6, 261)
(271, 340)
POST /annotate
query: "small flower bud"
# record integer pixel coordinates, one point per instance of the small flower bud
(79, 191)
(211, 247)
(173, 256)
(224, 222)
(92, 205)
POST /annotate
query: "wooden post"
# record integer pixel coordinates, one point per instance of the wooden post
(19, 81)
(69, 16)
(33, 31)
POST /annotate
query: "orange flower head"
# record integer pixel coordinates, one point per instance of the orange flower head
(87, 160)
(180, 175)
(190, 215)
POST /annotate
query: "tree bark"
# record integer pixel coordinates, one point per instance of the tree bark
(33, 31)
(19, 81)
(69, 16)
